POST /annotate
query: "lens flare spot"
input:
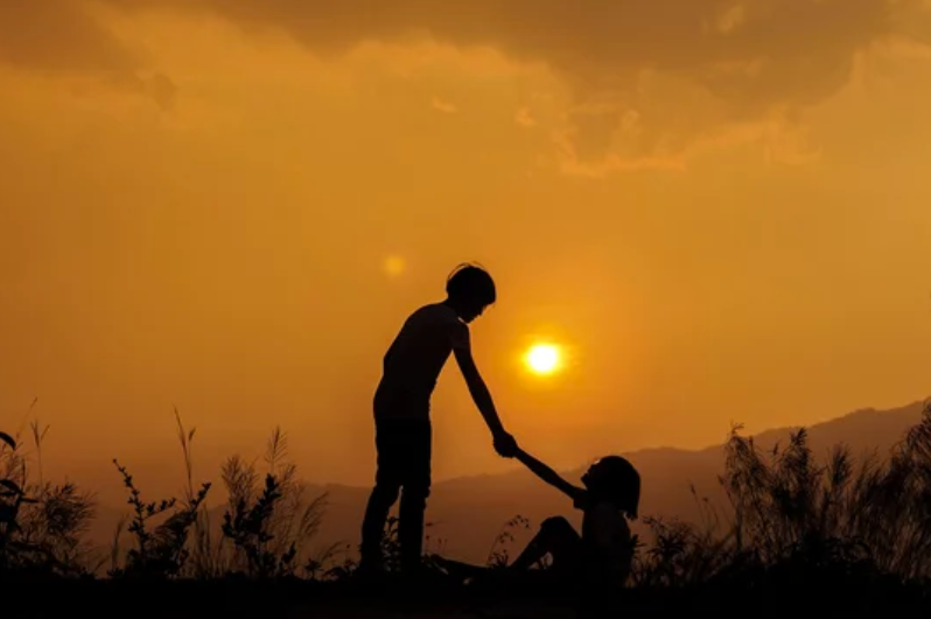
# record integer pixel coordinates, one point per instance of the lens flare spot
(394, 266)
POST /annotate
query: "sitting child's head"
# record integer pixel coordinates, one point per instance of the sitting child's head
(470, 290)
(615, 480)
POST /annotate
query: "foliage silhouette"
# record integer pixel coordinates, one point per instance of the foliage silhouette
(42, 524)
(269, 527)
(794, 518)
(163, 551)
(835, 526)
(263, 532)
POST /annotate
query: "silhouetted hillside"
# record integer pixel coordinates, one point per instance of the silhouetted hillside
(469, 512)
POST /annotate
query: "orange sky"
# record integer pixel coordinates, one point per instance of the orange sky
(719, 208)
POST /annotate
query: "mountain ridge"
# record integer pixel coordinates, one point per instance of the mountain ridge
(469, 511)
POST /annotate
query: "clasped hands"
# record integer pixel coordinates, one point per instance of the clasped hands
(505, 445)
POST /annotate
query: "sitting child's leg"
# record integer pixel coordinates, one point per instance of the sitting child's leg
(557, 538)
(460, 570)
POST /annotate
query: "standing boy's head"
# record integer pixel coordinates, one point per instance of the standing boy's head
(469, 290)
(614, 479)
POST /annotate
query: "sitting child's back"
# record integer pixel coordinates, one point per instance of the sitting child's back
(607, 543)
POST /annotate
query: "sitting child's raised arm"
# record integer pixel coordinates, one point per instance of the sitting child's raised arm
(549, 475)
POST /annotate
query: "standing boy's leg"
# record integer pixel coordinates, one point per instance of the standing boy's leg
(390, 448)
(416, 481)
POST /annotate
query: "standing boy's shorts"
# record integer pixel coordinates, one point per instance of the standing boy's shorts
(404, 449)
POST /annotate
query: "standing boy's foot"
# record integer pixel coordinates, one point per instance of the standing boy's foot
(370, 570)
(457, 571)
(421, 580)
(412, 570)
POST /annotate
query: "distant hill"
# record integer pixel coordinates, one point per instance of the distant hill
(469, 512)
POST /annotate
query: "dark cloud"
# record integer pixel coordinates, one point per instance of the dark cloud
(63, 37)
(59, 36)
(749, 56)
(803, 47)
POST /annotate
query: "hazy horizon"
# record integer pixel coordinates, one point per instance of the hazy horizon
(718, 211)
(165, 476)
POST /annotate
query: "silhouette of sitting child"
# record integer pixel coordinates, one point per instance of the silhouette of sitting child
(402, 411)
(597, 559)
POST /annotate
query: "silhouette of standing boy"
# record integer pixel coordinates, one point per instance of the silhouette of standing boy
(403, 435)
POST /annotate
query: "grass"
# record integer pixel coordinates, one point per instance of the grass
(838, 532)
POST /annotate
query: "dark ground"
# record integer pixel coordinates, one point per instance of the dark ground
(435, 600)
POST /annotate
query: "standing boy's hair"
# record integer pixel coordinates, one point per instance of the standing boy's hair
(472, 284)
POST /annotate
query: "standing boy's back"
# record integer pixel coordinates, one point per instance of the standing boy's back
(415, 359)
(403, 433)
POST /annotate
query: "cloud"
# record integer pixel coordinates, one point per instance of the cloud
(741, 58)
(524, 118)
(59, 36)
(443, 106)
(729, 19)
(67, 38)
(803, 42)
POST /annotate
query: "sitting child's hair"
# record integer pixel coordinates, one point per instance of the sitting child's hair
(471, 284)
(614, 479)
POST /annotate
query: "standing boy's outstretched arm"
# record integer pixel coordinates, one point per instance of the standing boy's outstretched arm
(504, 442)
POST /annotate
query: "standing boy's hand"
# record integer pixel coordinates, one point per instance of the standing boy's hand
(505, 445)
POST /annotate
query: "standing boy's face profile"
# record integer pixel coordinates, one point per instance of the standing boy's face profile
(471, 313)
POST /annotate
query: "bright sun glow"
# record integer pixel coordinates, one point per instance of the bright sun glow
(543, 359)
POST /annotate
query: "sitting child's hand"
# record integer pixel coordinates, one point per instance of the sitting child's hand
(505, 445)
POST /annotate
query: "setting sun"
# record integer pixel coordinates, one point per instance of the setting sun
(543, 358)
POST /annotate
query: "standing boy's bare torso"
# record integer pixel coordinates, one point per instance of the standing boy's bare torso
(415, 359)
